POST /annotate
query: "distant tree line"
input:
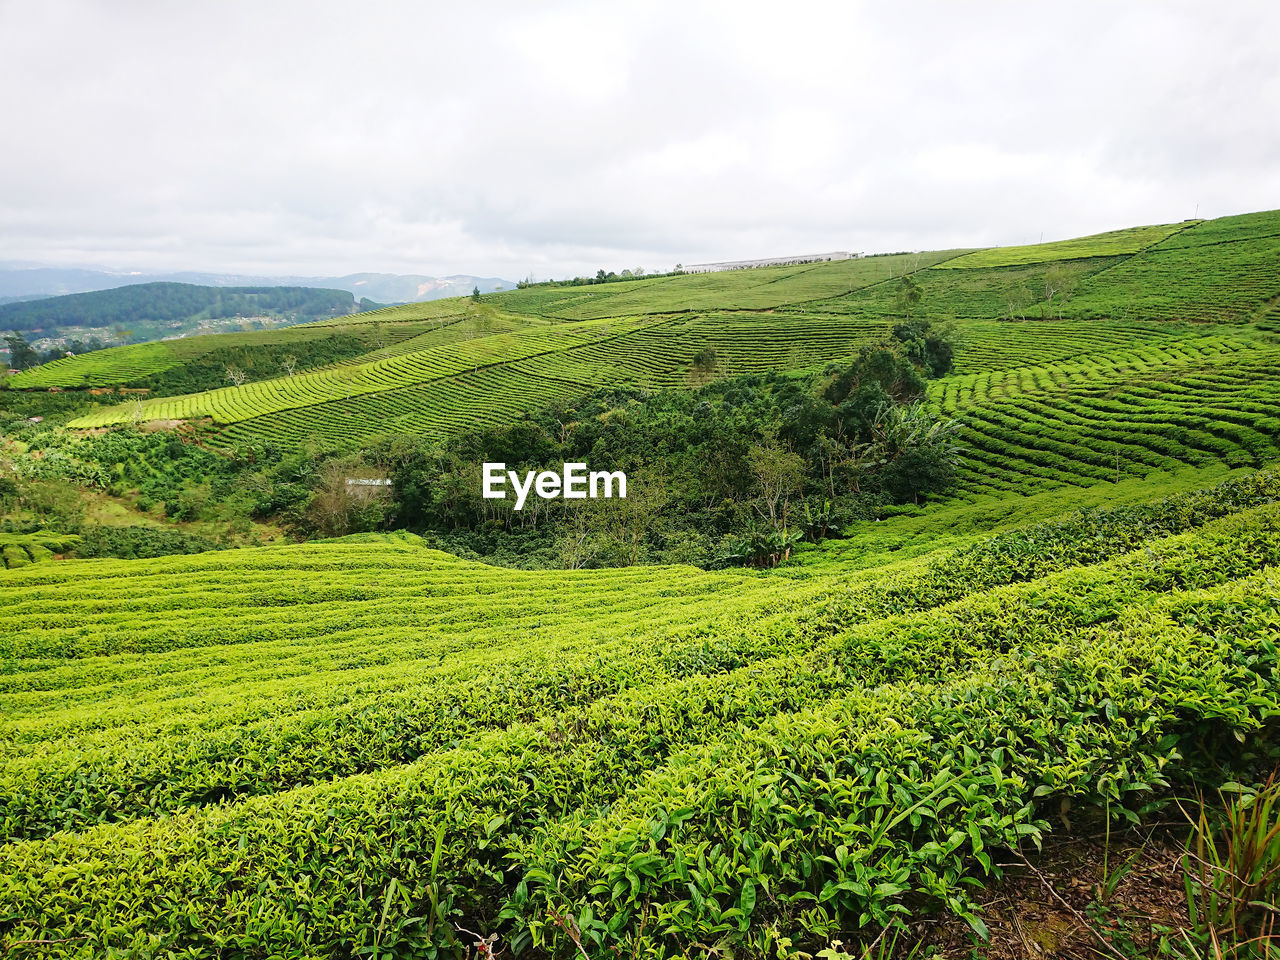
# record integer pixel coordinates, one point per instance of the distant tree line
(166, 302)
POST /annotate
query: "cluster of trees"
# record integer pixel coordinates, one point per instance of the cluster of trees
(169, 302)
(736, 471)
(138, 542)
(168, 475)
(23, 356)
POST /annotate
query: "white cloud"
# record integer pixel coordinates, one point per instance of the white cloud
(500, 138)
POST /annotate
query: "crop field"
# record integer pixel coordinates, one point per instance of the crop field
(978, 293)
(1115, 243)
(233, 404)
(362, 746)
(1247, 226)
(1002, 344)
(1195, 403)
(120, 365)
(729, 290)
(101, 368)
(429, 389)
(1223, 281)
(656, 355)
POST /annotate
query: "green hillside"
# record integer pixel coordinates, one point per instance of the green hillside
(1127, 242)
(930, 562)
(132, 364)
(434, 367)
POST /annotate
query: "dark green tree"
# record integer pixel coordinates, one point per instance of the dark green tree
(930, 346)
(704, 363)
(22, 355)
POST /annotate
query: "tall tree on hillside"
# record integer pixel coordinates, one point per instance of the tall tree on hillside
(22, 355)
(1060, 283)
(779, 474)
(909, 295)
(704, 364)
(631, 519)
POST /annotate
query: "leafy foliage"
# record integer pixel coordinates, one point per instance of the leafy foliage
(702, 465)
(138, 542)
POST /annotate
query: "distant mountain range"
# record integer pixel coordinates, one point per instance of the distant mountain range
(139, 312)
(29, 282)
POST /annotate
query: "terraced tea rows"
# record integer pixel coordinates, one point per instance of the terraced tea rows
(1005, 344)
(101, 368)
(362, 747)
(233, 404)
(530, 347)
(1193, 402)
(488, 379)
(437, 408)
(1247, 226)
(657, 356)
(1220, 282)
(120, 365)
(986, 293)
(281, 733)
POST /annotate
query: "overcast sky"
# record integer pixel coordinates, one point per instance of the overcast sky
(550, 139)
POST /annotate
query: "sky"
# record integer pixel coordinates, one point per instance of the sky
(552, 139)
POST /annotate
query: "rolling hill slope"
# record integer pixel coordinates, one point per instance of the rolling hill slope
(436, 367)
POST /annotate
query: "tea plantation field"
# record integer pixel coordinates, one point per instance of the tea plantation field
(440, 367)
(364, 747)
